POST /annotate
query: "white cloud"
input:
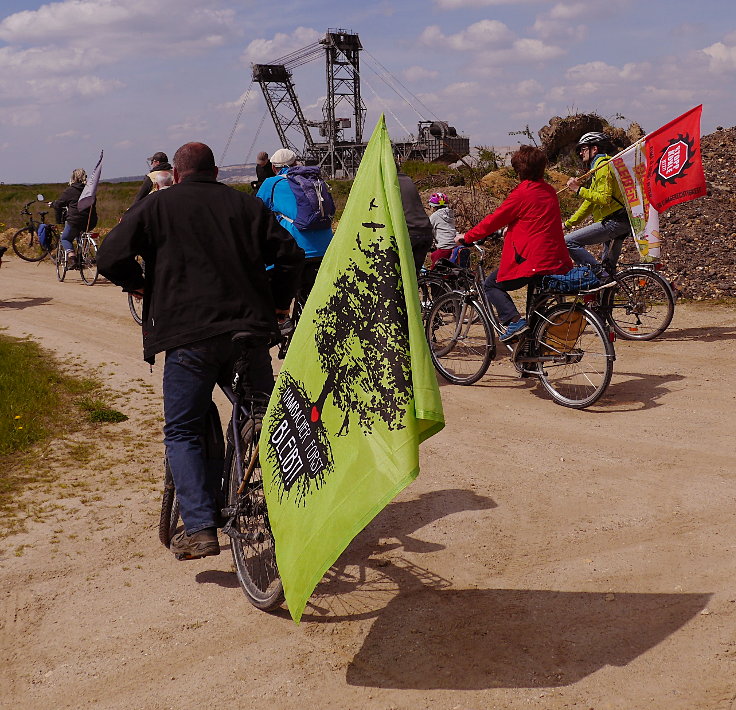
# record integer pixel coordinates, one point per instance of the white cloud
(522, 51)
(20, 116)
(722, 57)
(267, 50)
(474, 37)
(122, 28)
(417, 73)
(462, 88)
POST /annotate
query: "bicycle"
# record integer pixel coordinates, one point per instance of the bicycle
(567, 346)
(85, 254)
(25, 241)
(240, 495)
(642, 303)
(136, 304)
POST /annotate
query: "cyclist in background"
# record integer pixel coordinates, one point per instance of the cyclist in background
(533, 245)
(442, 220)
(76, 221)
(277, 195)
(159, 163)
(604, 202)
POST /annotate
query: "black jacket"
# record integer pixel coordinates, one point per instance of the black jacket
(417, 221)
(74, 217)
(205, 246)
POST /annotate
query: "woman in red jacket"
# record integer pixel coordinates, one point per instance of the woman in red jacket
(534, 244)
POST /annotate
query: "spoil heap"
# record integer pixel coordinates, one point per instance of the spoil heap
(699, 237)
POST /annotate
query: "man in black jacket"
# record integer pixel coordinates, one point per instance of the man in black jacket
(205, 246)
(159, 163)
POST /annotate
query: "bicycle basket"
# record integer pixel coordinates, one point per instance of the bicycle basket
(563, 332)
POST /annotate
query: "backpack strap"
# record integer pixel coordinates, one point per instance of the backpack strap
(273, 188)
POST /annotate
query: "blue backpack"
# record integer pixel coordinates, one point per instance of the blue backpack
(315, 207)
(579, 278)
(43, 236)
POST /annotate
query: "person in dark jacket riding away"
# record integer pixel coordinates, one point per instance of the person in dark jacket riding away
(534, 244)
(604, 202)
(278, 196)
(77, 221)
(206, 246)
(159, 163)
(417, 221)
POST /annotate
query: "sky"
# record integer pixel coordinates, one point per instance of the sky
(136, 76)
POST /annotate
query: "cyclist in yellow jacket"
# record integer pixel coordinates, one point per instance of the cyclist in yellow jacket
(604, 203)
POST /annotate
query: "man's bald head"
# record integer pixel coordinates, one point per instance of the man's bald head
(194, 158)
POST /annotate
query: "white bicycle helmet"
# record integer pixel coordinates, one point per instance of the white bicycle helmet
(593, 138)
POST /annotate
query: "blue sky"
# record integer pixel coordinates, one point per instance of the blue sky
(137, 76)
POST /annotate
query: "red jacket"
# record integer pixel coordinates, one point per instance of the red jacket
(534, 244)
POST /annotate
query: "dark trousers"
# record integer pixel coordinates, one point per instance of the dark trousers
(498, 297)
(420, 246)
(190, 375)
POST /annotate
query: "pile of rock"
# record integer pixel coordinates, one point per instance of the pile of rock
(699, 237)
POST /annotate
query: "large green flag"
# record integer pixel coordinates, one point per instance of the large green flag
(357, 391)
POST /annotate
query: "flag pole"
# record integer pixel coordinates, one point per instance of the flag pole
(596, 169)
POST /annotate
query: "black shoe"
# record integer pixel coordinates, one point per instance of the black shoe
(202, 543)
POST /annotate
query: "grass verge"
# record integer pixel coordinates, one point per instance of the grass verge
(38, 400)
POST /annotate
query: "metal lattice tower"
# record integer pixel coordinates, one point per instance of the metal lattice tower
(283, 104)
(342, 50)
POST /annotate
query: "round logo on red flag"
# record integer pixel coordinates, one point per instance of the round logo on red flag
(675, 160)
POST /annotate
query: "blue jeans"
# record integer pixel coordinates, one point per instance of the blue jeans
(497, 295)
(597, 233)
(69, 235)
(190, 375)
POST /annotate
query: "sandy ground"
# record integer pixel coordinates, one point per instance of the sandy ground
(544, 558)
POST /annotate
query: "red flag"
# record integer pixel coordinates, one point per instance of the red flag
(674, 163)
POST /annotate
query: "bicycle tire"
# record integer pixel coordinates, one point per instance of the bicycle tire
(53, 241)
(461, 339)
(430, 289)
(136, 308)
(88, 261)
(641, 305)
(251, 541)
(169, 518)
(578, 355)
(61, 265)
(26, 245)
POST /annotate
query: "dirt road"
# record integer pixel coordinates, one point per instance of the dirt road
(545, 557)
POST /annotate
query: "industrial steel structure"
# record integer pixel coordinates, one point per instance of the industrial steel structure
(338, 151)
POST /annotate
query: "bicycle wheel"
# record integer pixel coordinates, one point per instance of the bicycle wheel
(641, 305)
(26, 245)
(61, 265)
(575, 355)
(460, 337)
(430, 289)
(53, 241)
(251, 540)
(88, 261)
(169, 519)
(136, 308)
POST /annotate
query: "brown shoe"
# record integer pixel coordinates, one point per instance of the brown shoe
(202, 543)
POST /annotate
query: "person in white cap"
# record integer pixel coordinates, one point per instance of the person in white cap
(277, 195)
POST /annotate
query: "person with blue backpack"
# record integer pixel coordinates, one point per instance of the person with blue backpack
(301, 201)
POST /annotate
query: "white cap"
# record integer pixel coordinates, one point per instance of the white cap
(283, 156)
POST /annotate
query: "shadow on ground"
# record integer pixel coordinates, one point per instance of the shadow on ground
(25, 302)
(474, 639)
